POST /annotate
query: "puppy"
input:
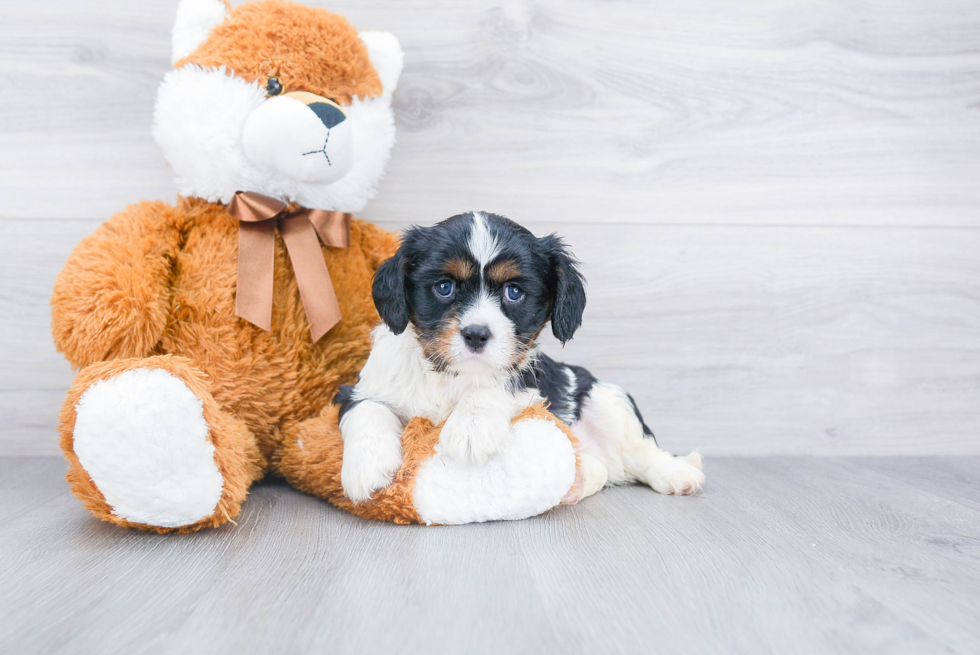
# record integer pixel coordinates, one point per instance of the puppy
(463, 303)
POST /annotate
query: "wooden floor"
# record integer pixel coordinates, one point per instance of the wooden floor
(780, 555)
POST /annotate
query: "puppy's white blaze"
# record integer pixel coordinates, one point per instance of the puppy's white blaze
(483, 245)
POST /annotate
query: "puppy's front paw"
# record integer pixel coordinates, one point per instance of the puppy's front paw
(473, 437)
(369, 465)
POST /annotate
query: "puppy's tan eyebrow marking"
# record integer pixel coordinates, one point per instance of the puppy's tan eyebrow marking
(504, 270)
(459, 268)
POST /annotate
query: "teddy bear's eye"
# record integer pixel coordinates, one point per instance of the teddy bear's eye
(273, 87)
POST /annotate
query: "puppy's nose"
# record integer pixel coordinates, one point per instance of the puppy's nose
(476, 336)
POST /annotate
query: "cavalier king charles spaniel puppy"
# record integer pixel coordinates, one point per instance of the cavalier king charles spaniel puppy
(463, 303)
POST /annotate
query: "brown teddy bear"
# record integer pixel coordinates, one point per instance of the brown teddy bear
(213, 335)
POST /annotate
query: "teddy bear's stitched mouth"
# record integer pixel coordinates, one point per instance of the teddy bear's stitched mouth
(322, 150)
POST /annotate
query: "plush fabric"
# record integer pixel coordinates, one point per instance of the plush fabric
(179, 404)
(312, 455)
(271, 39)
(158, 279)
(236, 454)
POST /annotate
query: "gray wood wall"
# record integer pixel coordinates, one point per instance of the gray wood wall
(777, 202)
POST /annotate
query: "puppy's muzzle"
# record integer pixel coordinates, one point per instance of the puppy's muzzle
(476, 337)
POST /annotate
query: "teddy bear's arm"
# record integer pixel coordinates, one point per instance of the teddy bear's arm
(112, 298)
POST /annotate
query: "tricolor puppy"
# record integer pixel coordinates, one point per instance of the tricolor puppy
(463, 303)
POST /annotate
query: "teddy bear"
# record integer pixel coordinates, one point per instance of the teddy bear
(211, 336)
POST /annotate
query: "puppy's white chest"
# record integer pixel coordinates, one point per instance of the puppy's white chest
(467, 393)
(398, 375)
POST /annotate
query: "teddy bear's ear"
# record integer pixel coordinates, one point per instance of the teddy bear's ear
(386, 57)
(195, 20)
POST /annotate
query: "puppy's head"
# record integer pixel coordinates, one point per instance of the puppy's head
(478, 289)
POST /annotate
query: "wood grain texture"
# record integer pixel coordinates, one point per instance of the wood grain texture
(769, 111)
(801, 555)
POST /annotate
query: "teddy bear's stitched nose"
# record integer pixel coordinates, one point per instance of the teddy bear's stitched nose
(329, 115)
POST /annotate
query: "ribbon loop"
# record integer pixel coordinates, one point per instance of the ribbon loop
(258, 218)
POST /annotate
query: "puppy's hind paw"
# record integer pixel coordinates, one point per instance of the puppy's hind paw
(681, 476)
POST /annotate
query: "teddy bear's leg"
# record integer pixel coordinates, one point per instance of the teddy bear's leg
(533, 473)
(148, 446)
(536, 470)
(311, 459)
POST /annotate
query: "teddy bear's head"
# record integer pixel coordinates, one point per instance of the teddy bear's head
(277, 98)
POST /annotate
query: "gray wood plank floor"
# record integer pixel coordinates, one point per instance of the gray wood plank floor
(779, 555)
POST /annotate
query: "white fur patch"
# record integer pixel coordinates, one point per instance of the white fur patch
(610, 433)
(479, 426)
(283, 136)
(143, 440)
(531, 475)
(195, 20)
(607, 426)
(199, 122)
(372, 449)
(483, 246)
(572, 379)
(497, 355)
(398, 375)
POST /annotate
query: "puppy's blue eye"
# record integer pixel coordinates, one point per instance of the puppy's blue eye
(513, 293)
(444, 289)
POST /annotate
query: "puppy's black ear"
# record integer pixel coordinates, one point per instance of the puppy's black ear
(389, 294)
(567, 289)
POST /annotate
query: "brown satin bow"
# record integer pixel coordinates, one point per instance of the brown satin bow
(258, 217)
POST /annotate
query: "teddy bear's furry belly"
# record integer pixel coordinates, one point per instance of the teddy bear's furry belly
(270, 380)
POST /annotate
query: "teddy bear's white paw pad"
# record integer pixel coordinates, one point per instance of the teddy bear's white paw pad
(142, 437)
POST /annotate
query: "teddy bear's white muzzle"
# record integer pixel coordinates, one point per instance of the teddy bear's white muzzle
(301, 136)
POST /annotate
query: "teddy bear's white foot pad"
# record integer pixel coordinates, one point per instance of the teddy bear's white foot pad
(531, 475)
(142, 437)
